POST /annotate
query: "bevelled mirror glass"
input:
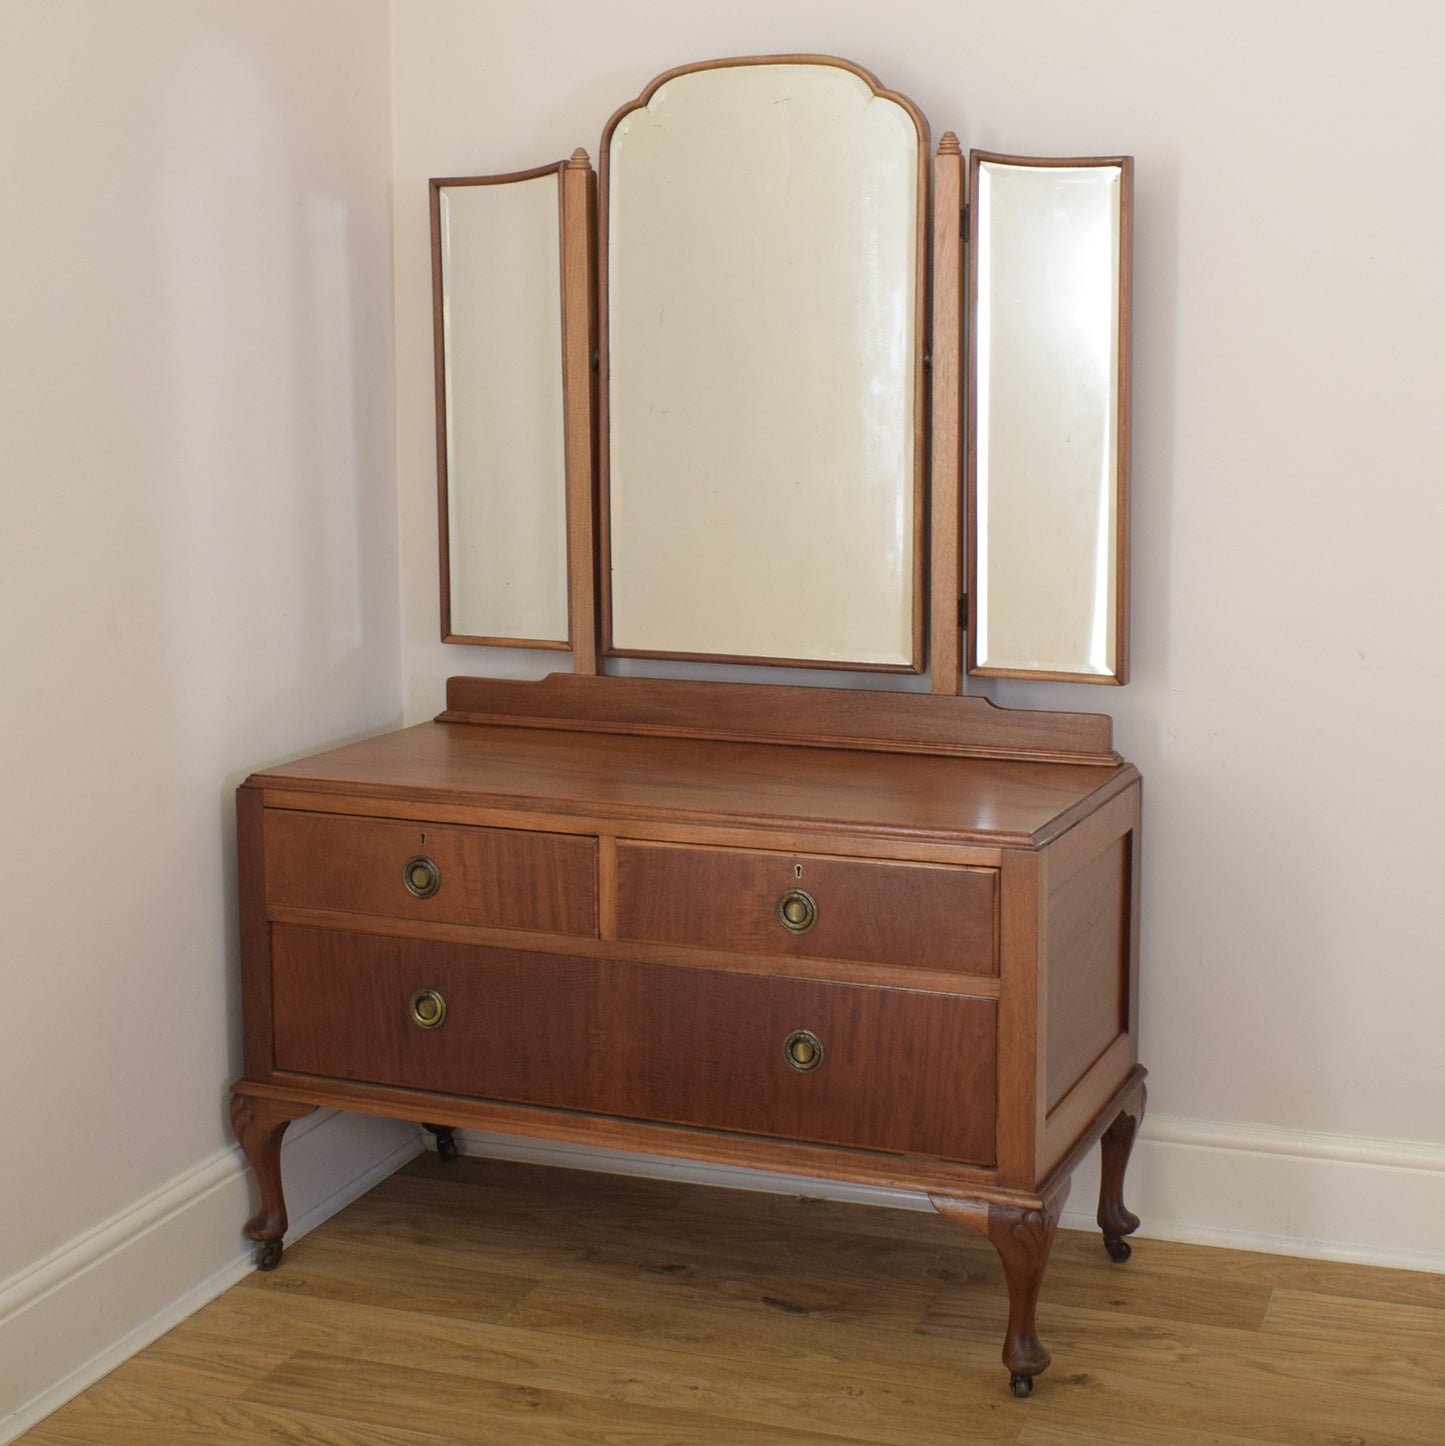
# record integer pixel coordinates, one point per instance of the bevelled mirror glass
(500, 424)
(763, 362)
(1048, 418)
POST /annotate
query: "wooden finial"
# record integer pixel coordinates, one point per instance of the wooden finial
(948, 145)
(580, 161)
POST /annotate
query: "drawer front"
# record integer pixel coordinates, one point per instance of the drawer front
(900, 1070)
(504, 878)
(934, 916)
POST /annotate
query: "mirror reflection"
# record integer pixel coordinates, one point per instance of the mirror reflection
(763, 368)
(1049, 441)
(500, 419)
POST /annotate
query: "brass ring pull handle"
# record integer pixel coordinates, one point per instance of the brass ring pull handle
(803, 1050)
(422, 876)
(428, 1008)
(797, 911)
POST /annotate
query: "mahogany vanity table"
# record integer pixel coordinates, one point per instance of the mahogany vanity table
(879, 938)
(859, 935)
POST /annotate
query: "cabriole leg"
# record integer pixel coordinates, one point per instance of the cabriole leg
(445, 1138)
(1116, 1144)
(1023, 1235)
(259, 1125)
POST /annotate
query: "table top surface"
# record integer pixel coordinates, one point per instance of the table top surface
(560, 771)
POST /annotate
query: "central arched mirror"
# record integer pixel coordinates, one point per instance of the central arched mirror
(762, 448)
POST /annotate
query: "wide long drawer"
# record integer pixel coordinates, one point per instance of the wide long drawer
(505, 878)
(935, 916)
(893, 1069)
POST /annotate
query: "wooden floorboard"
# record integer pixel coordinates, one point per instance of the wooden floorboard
(490, 1304)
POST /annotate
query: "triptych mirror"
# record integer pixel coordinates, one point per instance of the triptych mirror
(741, 399)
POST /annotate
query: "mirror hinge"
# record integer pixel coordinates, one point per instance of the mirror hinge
(963, 611)
(963, 221)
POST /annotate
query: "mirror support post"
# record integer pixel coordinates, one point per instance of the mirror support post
(945, 464)
(579, 393)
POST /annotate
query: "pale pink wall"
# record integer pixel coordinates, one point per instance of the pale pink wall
(197, 558)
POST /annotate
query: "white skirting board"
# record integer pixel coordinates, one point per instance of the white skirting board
(1287, 1192)
(80, 1312)
(1247, 1187)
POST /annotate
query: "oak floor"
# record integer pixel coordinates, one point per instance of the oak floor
(510, 1305)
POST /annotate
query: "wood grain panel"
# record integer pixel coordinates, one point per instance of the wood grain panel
(903, 1070)
(932, 916)
(827, 717)
(507, 878)
(711, 783)
(255, 931)
(579, 399)
(1088, 966)
(945, 520)
(1019, 1122)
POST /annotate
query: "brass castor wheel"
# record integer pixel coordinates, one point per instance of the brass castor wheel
(1021, 1386)
(268, 1256)
(1119, 1249)
(446, 1140)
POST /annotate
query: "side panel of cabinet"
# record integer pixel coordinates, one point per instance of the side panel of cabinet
(902, 1070)
(1088, 992)
(1090, 1003)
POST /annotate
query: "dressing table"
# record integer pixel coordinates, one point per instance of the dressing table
(858, 934)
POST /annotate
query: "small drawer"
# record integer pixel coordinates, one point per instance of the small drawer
(900, 1070)
(498, 877)
(931, 916)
